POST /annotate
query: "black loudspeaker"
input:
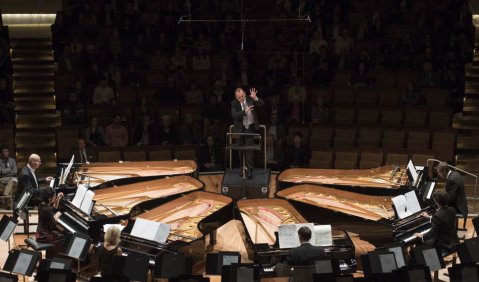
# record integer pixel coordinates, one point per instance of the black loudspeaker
(468, 250)
(468, 272)
(7, 277)
(412, 273)
(172, 265)
(240, 272)
(215, 261)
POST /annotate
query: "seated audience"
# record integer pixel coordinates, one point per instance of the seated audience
(276, 130)
(274, 153)
(298, 154)
(361, 77)
(73, 110)
(320, 112)
(411, 95)
(190, 131)
(83, 154)
(103, 94)
(297, 96)
(94, 134)
(116, 135)
(144, 109)
(108, 250)
(167, 133)
(211, 155)
(200, 60)
(214, 110)
(145, 132)
(8, 177)
(193, 95)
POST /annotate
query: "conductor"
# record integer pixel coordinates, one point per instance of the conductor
(245, 120)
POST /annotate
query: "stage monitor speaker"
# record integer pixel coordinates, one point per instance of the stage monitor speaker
(215, 261)
(235, 187)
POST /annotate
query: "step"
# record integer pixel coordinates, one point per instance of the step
(36, 68)
(33, 83)
(35, 103)
(38, 120)
(465, 122)
(33, 41)
(25, 76)
(40, 60)
(35, 140)
(471, 106)
(467, 143)
(31, 52)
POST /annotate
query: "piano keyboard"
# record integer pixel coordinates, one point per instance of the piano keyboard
(269, 269)
(411, 238)
(66, 226)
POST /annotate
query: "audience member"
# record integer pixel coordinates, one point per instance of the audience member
(82, 153)
(210, 155)
(320, 112)
(274, 153)
(297, 96)
(190, 131)
(103, 94)
(8, 177)
(200, 60)
(298, 153)
(94, 133)
(411, 95)
(167, 133)
(193, 95)
(116, 135)
(146, 132)
(73, 110)
(276, 129)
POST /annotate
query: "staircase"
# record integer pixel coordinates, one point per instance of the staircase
(467, 125)
(34, 96)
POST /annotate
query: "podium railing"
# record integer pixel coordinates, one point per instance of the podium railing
(230, 136)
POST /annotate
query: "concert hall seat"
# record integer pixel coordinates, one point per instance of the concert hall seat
(326, 94)
(418, 140)
(437, 97)
(396, 158)
(385, 78)
(184, 152)
(66, 139)
(159, 153)
(155, 78)
(371, 158)
(388, 96)
(440, 118)
(321, 158)
(366, 97)
(443, 144)
(369, 137)
(128, 93)
(345, 115)
(134, 154)
(346, 160)
(345, 137)
(421, 158)
(393, 138)
(367, 116)
(7, 137)
(391, 117)
(415, 117)
(107, 154)
(303, 129)
(321, 136)
(344, 96)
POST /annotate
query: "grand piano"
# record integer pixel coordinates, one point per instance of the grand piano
(115, 204)
(386, 180)
(372, 217)
(261, 218)
(191, 218)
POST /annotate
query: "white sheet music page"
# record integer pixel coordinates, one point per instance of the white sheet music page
(162, 232)
(87, 202)
(79, 195)
(7, 232)
(323, 235)
(413, 205)
(77, 247)
(288, 236)
(22, 263)
(400, 204)
(67, 170)
(150, 230)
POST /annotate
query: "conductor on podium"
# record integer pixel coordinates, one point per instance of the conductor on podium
(245, 120)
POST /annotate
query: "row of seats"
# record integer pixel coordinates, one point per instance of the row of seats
(146, 153)
(365, 158)
(7, 136)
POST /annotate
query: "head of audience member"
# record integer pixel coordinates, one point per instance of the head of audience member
(240, 95)
(166, 120)
(210, 141)
(213, 100)
(304, 234)
(48, 195)
(112, 236)
(5, 154)
(93, 121)
(440, 198)
(81, 144)
(442, 170)
(103, 83)
(116, 121)
(34, 161)
(297, 139)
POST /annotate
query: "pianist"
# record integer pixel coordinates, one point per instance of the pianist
(28, 181)
(108, 250)
(454, 187)
(46, 230)
(442, 234)
(305, 254)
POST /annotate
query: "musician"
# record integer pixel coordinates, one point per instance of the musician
(245, 120)
(443, 232)
(454, 187)
(82, 153)
(108, 250)
(210, 155)
(28, 181)
(46, 230)
(8, 177)
(305, 254)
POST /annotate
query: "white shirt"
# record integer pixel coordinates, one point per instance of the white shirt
(32, 170)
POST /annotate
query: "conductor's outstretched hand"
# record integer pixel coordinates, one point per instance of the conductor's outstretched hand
(253, 93)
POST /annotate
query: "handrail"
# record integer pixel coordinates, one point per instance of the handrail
(229, 139)
(463, 171)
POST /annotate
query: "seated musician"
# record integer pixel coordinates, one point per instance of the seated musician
(108, 250)
(305, 254)
(443, 232)
(46, 230)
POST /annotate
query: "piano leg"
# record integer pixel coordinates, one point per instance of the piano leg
(213, 240)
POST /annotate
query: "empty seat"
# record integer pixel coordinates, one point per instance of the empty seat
(344, 96)
(184, 152)
(109, 155)
(391, 117)
(415, 117)
(418, 140)
(321, 136)
(405, 77)
(371, 159)
(369, 137)
(366, 97)
(385, 78)
(393, 138)
(159, 153)
(321, 158)
(443, 145)
(134, 154)
(440, 118)
(66, 139)
(367, 116)
(388, 96)
(345, 137)
(421, 158)
(346, 160)
(394, 158)
(437, 97)
(326, 94)
(345, 115)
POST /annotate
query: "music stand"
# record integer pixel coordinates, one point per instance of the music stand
(77, 247)
(240, 272)
(168, 265)
(7, 226)
(215, 261)
(412, 273)
(7, 277)
(399, 251)
(21, 262)
(21, 211)
(464, 272)
(429, 256)
(468, 251)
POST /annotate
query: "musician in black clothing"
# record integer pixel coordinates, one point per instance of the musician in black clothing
(46, 230)
(454, 187)
(305, 254)
(210, 156)
(443, 233)
(108, 250)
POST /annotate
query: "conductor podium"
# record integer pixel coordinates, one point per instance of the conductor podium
(235, 182)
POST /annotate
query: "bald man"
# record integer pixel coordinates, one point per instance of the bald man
(28, 181)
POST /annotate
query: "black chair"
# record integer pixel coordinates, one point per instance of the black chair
(37, 246)
(303, 273)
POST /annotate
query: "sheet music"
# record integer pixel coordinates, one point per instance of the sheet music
(106, 226)
(400, 205)
(8, 230)
(323, 235)
(430, 187)
(77, 247)
(412, 169)
(22, 263)
(150, 230)
(288, 235)
(79, 195)
(67, 170)
(23, 200)
(87, 202)
(431, 259)
(413, 205)
(52, 183)
(56, 265)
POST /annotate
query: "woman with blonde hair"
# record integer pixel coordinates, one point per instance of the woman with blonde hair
(109, 249)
